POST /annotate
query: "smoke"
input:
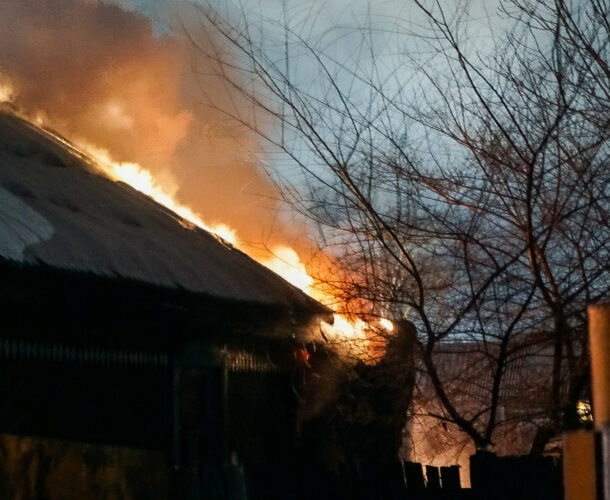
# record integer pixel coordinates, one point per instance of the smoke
(101, 74)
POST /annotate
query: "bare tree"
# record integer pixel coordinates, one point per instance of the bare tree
(465, 187)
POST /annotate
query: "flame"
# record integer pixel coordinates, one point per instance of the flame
(144, 181)
(345, 327)
(286, 262)
(386, 324)
(131, 94)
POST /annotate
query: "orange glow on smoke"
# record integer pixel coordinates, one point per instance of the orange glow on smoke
(7, 91)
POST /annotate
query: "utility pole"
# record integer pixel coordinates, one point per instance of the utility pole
(586, 453)
(599, 338)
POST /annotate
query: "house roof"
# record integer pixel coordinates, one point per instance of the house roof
(57, 210)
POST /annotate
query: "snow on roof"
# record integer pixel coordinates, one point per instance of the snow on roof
(56, 210)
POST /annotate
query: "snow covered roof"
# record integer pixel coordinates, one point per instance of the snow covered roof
(56, 210)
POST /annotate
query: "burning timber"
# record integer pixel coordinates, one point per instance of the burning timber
(124, 326)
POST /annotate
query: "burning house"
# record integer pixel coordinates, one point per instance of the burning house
(125, 325)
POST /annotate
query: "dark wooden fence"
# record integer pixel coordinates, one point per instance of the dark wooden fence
(492, 478)
(518, 478)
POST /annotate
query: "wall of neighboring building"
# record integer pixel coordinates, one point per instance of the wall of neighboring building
(428, 441)
(466, 373)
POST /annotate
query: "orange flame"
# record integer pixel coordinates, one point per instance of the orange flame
(144, 181)
(386, 324)
(286, 262)
(351, 336)
(133, 93)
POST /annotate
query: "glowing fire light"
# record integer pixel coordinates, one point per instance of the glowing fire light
(386, 324)
(7, 91)
(286, 262)
(142, 180)
(583, 409)
(347, 328)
